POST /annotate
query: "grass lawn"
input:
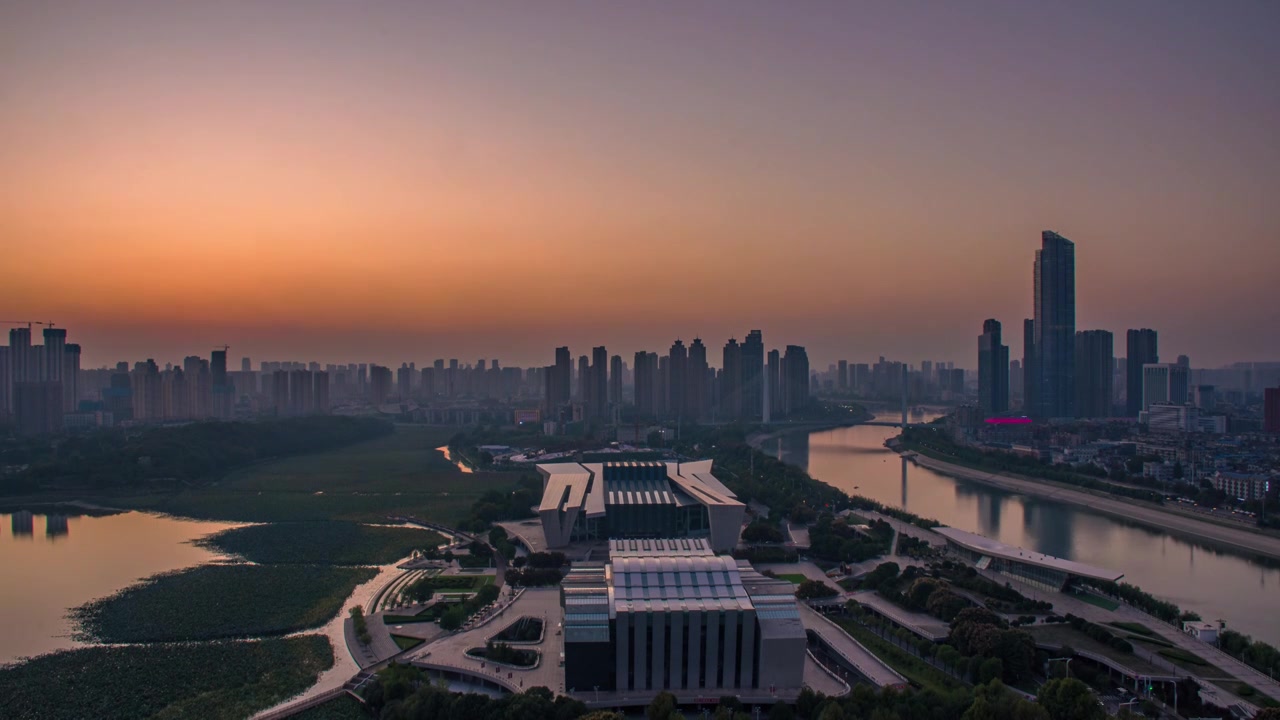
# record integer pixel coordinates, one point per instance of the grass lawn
(1066, 635)
(212, 602)
(1133, 627)
(1158, 642)
(793, 578)
(1095, 600)
(400, 474)
(404, 642)
(328, 543)
(1180, 656)
(206, 680)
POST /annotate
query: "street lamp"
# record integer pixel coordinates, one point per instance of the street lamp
(1066, 666)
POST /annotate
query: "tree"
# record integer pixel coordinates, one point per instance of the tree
(453, 618)
(781, 711)
(884, 573)
(990, 669)
(661, 707)
(813, 589)
(831, 711)
(1069, 699)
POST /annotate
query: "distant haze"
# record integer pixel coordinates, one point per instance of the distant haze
(387, 181)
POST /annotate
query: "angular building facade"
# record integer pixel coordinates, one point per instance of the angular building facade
(598, 501)
(671, 615)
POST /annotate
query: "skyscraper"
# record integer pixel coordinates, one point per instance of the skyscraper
(1028, 366)
(842, 376)
(55, 340)
(731, 381)
(1055, 326)
(559, 380)
(1141, 349)
(993, 370)
(1095, 356)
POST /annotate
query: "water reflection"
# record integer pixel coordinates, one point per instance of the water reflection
(81, 558)
(1207, 580)
(23, 523)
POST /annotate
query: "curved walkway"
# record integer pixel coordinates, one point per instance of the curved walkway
(871, 667)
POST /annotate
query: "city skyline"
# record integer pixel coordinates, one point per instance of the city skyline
(406, 179)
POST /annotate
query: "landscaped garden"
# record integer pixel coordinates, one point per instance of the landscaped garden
(504, 654)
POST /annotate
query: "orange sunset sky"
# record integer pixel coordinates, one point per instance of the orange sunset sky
(388, 181)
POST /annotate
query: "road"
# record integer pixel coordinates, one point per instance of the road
(1151, 515)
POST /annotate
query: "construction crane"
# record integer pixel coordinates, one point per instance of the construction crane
(28, 323)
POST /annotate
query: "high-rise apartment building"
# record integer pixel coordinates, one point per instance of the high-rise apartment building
(615, 381)
(1095, 357)
(773, 378)
(1165, 383)
(796, 379)
(842, 376)
(993, 370)
(598, 384)
(678, 365)
(379, 384)
(1271, 410)
(1055, 327)
(646, 364)
(731, 381)
(1141, 349)
(70, 377)
(697, 389)
(753, 375)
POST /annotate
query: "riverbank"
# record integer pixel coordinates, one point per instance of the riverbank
(1145, 514)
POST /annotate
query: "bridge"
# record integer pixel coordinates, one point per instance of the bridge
(905, 423)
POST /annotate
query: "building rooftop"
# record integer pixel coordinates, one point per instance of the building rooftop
(995, 548)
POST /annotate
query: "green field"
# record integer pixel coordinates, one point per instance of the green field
(212, 602)
(793, 578)
(400, 474)
(325, 543)
(208, 680)
(908, 665)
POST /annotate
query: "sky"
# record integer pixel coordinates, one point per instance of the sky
(393, 181)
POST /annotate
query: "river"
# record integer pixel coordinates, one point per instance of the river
(55, 562)
(1214, 583)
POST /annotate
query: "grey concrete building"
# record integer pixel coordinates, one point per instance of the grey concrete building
(669, 614)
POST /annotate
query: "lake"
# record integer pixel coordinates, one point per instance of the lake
(55, 562)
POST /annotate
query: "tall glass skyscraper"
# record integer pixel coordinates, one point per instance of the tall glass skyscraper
(1055, 327)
